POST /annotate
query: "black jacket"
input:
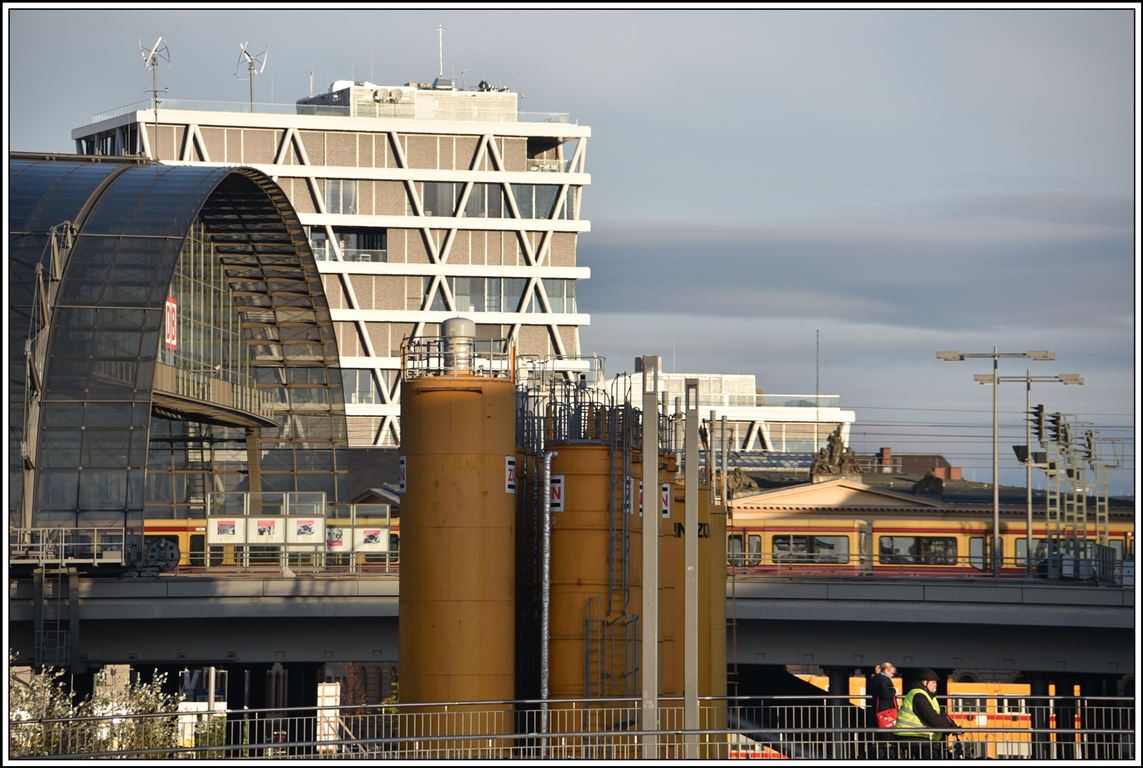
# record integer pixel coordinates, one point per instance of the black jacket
(882, 696)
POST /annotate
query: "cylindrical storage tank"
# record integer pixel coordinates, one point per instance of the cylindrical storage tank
(585, 658)
(457, 601)
(671, 587)
(711, 616)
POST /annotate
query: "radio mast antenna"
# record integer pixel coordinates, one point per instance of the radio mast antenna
(255, 63)
(151, 61)
(440, 49)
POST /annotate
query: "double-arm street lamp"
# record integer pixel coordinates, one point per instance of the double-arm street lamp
(1028, 378)
(997, 551)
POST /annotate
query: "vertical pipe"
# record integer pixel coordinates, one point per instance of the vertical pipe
(690, 560)
(649, 364)
(546, 595)
(725, 450)
(996, 550)
(675, 436)
(711, 455)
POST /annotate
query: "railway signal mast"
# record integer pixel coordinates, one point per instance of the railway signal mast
(1076, 473)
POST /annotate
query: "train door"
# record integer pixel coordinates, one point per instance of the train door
(978, 558)
(864, 546)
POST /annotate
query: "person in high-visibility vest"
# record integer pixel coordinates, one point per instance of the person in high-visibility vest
(919, 709)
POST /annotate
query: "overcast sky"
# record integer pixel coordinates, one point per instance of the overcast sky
(903, 181)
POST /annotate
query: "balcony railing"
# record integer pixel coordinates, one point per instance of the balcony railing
(325, 253)
(818, 728)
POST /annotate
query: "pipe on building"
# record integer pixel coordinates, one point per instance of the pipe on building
(546, 594)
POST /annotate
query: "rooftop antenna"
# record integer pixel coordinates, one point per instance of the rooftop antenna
(255, 63)
(151, 61)
(440, 50)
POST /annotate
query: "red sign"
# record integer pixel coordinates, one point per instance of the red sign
(171, 323)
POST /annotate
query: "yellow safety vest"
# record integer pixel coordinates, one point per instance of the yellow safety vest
(907, 717)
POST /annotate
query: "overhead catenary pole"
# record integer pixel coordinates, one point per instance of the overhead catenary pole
(690, 567)
(649, 666)
(995, 354)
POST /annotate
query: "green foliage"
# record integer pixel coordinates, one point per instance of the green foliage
(44, 720)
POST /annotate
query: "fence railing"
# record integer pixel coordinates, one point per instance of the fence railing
(817, 728)
(72, 545)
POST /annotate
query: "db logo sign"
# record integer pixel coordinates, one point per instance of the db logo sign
(171, 323)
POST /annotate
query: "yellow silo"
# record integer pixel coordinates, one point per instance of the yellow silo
(711, 617)
(457, 585)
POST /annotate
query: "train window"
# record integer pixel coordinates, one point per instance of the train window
(394, 548)
(811, 549)
(976, 552)
(927, 550)
(1009, 706)
(753, 549)
(734, 549)
(1117, 545)
(1038, 550)
(970, 704)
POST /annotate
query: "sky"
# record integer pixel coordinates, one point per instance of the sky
(822, 197)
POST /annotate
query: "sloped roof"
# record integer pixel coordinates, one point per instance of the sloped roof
(833, 494)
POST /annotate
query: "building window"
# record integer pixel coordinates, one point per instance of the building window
(440, 198)
(341, 196)
(468, 293)
(359, 386)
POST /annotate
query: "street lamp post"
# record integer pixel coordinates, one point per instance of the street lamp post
(997, 551)
(1028, 378)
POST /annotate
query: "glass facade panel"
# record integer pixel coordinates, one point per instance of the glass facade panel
(546, 195)
(524, 200)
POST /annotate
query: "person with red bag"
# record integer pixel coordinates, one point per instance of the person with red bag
(882, 710)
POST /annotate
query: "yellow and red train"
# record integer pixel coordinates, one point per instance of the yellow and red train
(894, 546)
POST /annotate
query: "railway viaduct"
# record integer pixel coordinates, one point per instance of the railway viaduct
(1056, 630)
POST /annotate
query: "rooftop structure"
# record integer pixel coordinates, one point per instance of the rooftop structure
(789, 424)
(420, 202)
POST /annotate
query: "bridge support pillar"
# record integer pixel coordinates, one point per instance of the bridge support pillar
(1038, 705)
(843, 717)
(1065, 706)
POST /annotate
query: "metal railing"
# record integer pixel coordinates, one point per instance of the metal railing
(816, 727)
(746, 564)
(324, 110)
(73, 545)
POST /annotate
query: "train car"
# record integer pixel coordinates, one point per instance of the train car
(799, 546)
(829, 543)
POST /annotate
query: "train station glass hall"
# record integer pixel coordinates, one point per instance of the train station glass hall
(168, 339)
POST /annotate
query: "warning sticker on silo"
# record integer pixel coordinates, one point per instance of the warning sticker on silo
(509, 474)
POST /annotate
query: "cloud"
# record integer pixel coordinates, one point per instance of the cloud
(985, 263)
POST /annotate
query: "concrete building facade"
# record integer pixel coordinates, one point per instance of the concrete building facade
(420, 202)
